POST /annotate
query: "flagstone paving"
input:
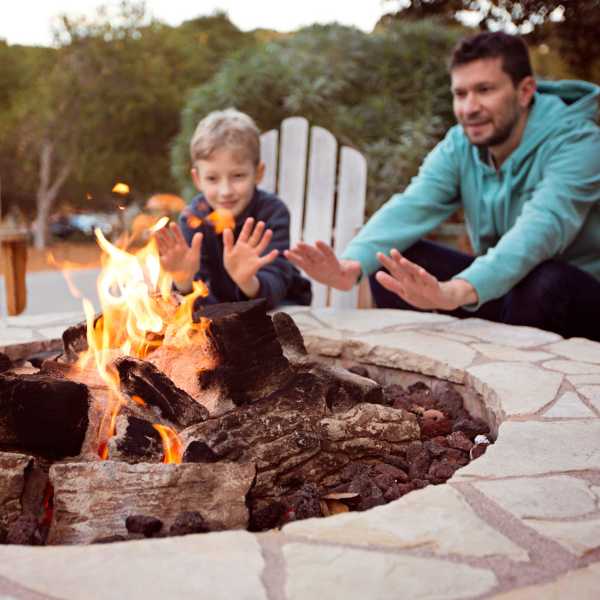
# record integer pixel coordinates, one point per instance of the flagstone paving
(521, 522)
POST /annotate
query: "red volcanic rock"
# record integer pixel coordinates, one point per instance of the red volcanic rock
(434, 423)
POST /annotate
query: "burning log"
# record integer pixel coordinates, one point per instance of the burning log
(144, 380)
(236, 361)
(245, 341)
(135, 441)
(87, 507)
(42, 414)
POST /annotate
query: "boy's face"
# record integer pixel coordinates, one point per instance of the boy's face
(227, 179)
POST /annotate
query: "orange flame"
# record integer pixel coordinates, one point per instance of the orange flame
(173, 448)
(137, 310)
(193, 221)
(221, 219)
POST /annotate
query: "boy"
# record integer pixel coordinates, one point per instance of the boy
(247, 262)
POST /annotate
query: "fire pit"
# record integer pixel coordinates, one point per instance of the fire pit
(525, 516)
(255, 433)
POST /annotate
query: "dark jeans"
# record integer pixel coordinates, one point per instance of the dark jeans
(555, 296)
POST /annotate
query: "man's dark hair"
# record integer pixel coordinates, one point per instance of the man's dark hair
(511, 48)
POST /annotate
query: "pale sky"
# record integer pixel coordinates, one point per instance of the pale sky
(29, 21)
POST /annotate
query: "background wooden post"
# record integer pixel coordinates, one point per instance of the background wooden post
(13, 254)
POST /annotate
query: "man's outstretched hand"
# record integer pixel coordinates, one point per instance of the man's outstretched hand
(421, 289)
(321, 264)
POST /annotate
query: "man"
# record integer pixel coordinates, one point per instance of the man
(524, 163)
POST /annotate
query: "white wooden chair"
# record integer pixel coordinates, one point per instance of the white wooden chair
(326, 197)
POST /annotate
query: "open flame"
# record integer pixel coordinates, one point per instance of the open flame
(138, 313)
(173, 448)
(221, 219)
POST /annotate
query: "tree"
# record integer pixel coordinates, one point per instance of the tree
(570, 27)
(385, 94)
(108, 105)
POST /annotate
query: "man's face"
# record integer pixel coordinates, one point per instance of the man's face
(227, 179)
(486, 102)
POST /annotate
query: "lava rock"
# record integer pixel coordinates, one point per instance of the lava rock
(440, 471)
(447, 399)
(369, 493)
(434, 423)
(458, 440)
(188, 522)
(303, 504)
(477, 451)
(471, 427)
(268, 517)
(147, 526)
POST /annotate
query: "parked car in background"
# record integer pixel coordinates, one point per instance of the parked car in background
(82, 225)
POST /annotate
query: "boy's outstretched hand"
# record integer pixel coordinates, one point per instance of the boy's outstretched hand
(176, 257)
(320, 263)
(242, 259)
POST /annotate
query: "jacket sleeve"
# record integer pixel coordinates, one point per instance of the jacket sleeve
(431, 197)
(550, 220)
(275, 278)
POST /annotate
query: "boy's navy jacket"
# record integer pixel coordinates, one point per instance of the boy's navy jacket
(279, 281)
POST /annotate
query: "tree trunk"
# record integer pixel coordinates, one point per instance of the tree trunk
(47, 192)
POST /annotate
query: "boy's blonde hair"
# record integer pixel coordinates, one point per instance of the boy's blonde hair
(228, 128)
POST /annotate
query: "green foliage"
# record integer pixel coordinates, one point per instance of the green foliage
(109, 98)
(385, 94)
(20, 67)
(570, 28)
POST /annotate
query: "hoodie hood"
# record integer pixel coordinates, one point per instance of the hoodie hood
(558, 106)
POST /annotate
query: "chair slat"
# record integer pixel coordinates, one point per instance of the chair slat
(320, 194)
(352, 186)
(268, 154)
(292, 171)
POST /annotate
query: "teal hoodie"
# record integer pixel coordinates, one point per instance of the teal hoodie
(543, 203)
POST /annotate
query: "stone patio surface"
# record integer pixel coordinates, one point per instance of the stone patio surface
(520, 523)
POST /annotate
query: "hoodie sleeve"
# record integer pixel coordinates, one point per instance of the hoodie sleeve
(549, 222)
(430, 199)
(275, 278)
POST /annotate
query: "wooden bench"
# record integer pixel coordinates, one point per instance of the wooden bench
(13, 254)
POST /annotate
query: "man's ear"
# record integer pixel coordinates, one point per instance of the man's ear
(526, 90)
(259, 173)
(196, 178)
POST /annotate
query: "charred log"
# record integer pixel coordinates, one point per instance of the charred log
(141, 378)
(12, 483)
(75, 340)
(294, 439)
(244, 339)
(135, 441)
(43, 415)
(5, 362)
(289, 335)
